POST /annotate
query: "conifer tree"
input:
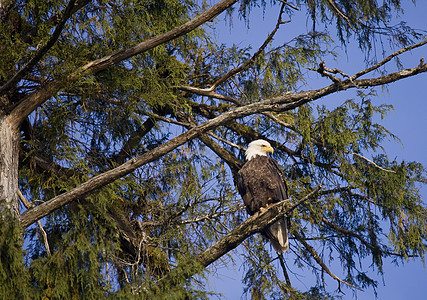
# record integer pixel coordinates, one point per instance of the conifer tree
(123, 123)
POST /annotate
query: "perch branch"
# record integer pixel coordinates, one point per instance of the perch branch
(230, 241)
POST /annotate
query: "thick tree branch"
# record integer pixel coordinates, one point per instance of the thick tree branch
(32, 101)
(281, 103)
(230, 241)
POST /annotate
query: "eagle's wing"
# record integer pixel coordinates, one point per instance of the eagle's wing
(278, 232)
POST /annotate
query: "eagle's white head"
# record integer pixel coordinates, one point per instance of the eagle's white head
(258, 147)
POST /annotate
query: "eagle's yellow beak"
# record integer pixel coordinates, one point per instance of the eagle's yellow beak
(269, 149)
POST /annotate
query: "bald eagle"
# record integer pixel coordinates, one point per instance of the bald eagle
(260, 183)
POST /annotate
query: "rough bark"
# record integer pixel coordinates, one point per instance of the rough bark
(9, 158)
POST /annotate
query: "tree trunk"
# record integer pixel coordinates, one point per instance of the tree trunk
(9, 159)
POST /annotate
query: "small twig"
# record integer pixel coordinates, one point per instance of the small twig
(28, 205)
(340, 13)
(210, 91)
(370, 161)
(290, 5)
(303, 199)
(211, 216)
(321, 263)
(225, 141)
(168, 120)
(277, 120)
(256, 54)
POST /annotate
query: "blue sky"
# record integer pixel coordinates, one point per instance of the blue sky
(408, 122)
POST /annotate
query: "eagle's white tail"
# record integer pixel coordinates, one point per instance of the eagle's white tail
(278, 235)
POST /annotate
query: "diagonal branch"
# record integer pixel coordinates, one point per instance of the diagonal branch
(340, 13)
(32, 101)
(27, 204)
(256, 54)
(281, 103)
(370, 161)
(317, 258)
(210, 91)
(387, 59)
(42, 51)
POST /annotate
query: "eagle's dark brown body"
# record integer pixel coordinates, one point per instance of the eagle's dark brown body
(260, 183)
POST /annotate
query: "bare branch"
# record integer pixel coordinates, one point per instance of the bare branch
(226, 142)
(340, 13)
(234, 163)
(370, 161)
(256, 54)
(278, 121)
(27, 204)
(210, 91)
(288, 4)
(320, 262)
(387, 59)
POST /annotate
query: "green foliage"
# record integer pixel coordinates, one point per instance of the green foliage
(14, 277)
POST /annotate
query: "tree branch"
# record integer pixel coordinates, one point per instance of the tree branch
(387, 59)
(340, 13)
(234, 163)
(246, 63)
(281, 103)
(27, 204)
(370, 161)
